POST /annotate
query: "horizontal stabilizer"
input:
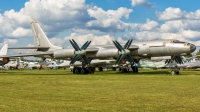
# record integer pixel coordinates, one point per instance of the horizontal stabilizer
(34, 47)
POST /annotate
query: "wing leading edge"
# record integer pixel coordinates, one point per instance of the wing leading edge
(39, 54)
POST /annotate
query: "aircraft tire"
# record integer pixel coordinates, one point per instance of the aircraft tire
(121, 69)
(91, 70)
(177, 72)
(135, 69)
(113, 68)
(83, 71)
(76, 70)
(100, 68)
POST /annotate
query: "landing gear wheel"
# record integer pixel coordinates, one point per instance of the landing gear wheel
(121, 70)
(100, 68)
(175, 72)
(113, 68)
(135, 69)
(83, 71)
(76, 70)
(91, 70)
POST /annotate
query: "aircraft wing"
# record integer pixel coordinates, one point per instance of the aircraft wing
(34, 47)
(91, 50)
(39, 54)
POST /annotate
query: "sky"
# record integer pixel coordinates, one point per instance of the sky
(99, 20)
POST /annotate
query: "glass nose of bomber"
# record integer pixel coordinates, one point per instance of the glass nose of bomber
(192, 47)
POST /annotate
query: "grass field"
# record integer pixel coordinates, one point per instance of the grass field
(60, 90)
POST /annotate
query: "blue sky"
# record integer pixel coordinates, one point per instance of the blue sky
(99, 20)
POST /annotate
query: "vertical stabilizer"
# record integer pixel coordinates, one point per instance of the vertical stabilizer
(4, 50)
(40, 38)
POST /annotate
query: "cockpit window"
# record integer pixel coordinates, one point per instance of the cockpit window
(176, 41)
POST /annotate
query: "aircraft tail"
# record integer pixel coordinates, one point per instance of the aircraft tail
(40, 38)
(4, 50)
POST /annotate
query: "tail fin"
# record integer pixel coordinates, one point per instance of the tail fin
(4, 50)
(40, 38)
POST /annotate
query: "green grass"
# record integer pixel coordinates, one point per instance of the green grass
(59, 90)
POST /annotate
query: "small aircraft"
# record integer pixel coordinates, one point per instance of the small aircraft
(131, 51)
(143, 63)
(186, 65)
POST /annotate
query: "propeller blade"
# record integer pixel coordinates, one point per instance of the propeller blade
(84, 45)
(76, 49)
(176, 60)
(166, 61)
(117, 46)
(76, 44)
(75, 59)
(127, 43)
(180, 59)
(87, 45)
(120, 59)
(86, 60)
(128, 57)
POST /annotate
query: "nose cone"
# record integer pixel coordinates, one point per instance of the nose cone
(192, 47)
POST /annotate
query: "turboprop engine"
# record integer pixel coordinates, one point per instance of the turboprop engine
(107, 53)
(64, 53)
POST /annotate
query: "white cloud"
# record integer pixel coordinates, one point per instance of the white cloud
(96, 40)
(176, 13)
(9, 41)
(141, 3)
(191, 35)
(21, 32)
(108, 20)
(57, 41)
(179, 25)
(149, 25)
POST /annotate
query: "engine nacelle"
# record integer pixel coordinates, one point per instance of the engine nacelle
(4, 60)
(107, 53)
(64, 53)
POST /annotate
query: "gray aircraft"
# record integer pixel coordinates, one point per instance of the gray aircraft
(131, 51)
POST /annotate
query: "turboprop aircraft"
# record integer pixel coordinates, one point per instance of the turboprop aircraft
(131, 51)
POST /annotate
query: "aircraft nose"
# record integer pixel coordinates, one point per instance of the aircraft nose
(192, 47)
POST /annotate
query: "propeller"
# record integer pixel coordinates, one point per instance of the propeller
(80, 52)
(177, 59)
(123, 51)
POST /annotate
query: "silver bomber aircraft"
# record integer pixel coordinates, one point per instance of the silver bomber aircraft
(131, 51)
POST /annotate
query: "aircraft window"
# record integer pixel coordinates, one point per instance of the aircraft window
(176, 41)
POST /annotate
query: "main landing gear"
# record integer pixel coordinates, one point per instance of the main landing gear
(82, 70)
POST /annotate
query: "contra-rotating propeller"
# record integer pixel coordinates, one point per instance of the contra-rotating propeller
(80, 52)
(124, 52)
(177, 59)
